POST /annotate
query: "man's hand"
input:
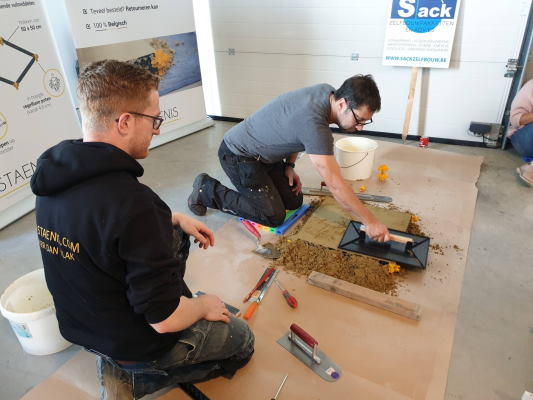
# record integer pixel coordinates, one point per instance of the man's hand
(215, 310)
(377, 231)
(329, 170)
(526, 118)
(201, 233)
(294, 180)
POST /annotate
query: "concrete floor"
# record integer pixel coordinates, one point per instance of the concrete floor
(492, 357)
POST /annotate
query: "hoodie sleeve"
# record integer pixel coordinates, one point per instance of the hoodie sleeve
(522, 104)
(153, 275)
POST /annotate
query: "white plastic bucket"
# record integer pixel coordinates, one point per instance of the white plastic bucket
(29, 307)
(355, 156)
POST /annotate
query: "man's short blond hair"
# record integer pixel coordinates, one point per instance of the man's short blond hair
(108, 88)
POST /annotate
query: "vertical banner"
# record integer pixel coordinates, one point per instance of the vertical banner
(420, 33)
(35, 108)
(159, 35)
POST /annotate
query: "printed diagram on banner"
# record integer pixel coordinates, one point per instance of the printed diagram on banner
(22, 61)
(3, 126)
(36, 110)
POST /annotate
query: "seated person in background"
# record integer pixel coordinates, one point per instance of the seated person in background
(114, 254)
(521, 130)
(259, 154)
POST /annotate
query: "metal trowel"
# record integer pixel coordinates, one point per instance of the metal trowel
(268, 250)
(305, 348)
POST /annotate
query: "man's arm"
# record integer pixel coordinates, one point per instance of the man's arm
(522, 106)
(294, 180)
(189, 311)
(329, 170)
(207, 307)
(292, 158)
(197, 229)
(526, 118)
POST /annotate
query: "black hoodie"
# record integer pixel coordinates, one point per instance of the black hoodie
(107, 247)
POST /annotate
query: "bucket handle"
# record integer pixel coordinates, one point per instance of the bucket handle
(360, 161)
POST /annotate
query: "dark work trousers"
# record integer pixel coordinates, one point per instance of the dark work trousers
(263, 192)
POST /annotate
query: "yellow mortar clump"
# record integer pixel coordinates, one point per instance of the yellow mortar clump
(162, 60)
(382, 176)
(393, 267)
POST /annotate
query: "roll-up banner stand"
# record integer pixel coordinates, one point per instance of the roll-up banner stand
(159, 35)
(36, 111)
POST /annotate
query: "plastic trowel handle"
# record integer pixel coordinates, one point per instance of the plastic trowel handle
(247, 224)
(250, 311)
(307, 338)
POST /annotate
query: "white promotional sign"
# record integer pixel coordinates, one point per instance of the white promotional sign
(35, 108)
(159, 35)
(420, 33)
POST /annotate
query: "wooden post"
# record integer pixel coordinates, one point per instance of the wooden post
(410, 98)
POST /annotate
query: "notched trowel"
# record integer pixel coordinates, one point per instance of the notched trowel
(267, 250)
(305, 348)
(406, 249)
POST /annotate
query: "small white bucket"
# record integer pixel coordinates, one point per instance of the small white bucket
(355, 156)
(29, 307)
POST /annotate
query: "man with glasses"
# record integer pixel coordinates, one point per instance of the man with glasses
(114, 254)
(259, 154)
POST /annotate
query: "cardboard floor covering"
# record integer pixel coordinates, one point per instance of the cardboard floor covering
(382, 355)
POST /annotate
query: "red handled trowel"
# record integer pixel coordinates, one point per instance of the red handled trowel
(267, 250)
(305, 348)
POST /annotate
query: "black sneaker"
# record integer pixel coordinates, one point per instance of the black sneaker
(194, 202)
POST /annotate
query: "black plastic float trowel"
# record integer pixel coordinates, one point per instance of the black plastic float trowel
(404, 248)
(305, 348)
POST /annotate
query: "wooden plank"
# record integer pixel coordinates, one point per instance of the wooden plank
(368, 296)
(410, 98)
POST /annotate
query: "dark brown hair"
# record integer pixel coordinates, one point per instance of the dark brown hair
(360, 90)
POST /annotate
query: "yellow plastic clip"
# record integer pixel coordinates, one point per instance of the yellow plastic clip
(393, 267)
(382, 177)
(383, 168)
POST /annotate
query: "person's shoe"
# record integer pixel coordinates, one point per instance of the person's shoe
(194, 202)
(525, 172)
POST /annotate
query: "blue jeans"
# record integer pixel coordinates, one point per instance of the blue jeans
(204, 351)
(522, 140)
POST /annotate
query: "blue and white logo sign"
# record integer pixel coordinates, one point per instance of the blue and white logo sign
(422, 16)
(420, 33)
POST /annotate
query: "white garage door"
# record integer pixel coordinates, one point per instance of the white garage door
(265, 48)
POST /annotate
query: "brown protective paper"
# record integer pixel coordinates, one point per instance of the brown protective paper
(382, 355)
(327, 224)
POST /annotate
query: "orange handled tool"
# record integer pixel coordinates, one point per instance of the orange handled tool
(251, 309)
(291, 301)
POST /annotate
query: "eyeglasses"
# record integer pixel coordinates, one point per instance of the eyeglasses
(358, 122)
(157, 121)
